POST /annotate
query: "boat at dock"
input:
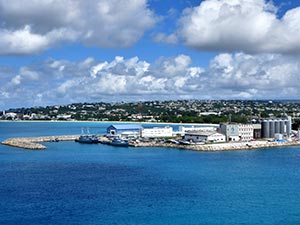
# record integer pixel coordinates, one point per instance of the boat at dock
(183, 142)
(119, 142)
(87, 139)
(105, 142)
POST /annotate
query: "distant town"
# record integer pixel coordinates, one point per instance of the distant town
(220, 121)
(187, 111)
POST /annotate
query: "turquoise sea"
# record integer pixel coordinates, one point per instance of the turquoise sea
(72, 183)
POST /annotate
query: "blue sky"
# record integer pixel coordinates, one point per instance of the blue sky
(65, 51)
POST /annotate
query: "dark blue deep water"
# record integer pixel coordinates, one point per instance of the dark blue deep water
(72, 183)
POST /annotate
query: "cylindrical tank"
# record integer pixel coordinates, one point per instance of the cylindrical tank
(265, 128)
(272, 128)
(285, 126)
(289, 126)
(277, 126)
(281, 126)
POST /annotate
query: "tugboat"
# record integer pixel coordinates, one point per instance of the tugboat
(87, 138)
(119, 142)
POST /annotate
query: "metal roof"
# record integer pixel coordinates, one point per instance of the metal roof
(206, 133)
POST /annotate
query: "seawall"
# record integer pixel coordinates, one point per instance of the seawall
(34, 143)
(222, 146)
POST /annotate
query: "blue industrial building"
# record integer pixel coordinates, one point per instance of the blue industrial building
(124, 129)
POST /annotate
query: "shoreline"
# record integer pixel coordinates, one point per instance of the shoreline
(232, 146)
(34, 143)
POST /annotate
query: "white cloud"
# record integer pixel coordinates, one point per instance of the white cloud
(228, 76)
(254, 77)
(16, 80)
(21, 41)
(172, 67)
(33, 26)
(168, 39)
(250, 26)
(28, 74)
(91, 80)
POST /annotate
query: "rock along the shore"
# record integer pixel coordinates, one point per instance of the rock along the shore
(33, 143)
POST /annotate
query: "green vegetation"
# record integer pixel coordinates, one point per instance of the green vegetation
(192, 111)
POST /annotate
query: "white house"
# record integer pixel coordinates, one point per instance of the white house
(157, 132)
(11, 115)
(63, 117)
(212, 137)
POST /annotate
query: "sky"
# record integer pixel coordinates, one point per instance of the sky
(55, 52)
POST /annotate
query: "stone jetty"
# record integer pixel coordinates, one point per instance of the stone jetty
(221, 146)
(34, 143)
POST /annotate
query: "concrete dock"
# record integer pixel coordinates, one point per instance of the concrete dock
(231, 146)
(34, 143)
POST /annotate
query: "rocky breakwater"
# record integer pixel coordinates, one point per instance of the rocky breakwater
(34, 143)
(221, 146)
(239, 146)
(156, 144)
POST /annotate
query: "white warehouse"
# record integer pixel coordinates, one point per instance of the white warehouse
(213, 137)
(157, 132)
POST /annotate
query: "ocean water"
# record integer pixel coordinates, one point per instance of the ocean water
(72, 183)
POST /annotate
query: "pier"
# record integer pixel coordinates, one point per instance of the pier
(34, 143)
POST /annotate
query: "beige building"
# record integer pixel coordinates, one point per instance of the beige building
(245, 132)
(237, 132)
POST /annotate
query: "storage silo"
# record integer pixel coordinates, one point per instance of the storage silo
(272, 128)
(265, 128)
(289, 126)
(277, 126)
(282, 125)
(285, 126)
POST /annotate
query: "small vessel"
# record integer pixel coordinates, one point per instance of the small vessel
(183, 142)
(87, 138)
(119, 142)
(172, 141)
(94, 139)
(133, 143)
(105, 142)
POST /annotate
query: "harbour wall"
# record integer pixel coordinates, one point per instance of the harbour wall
(34, 143)
(222, 146)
